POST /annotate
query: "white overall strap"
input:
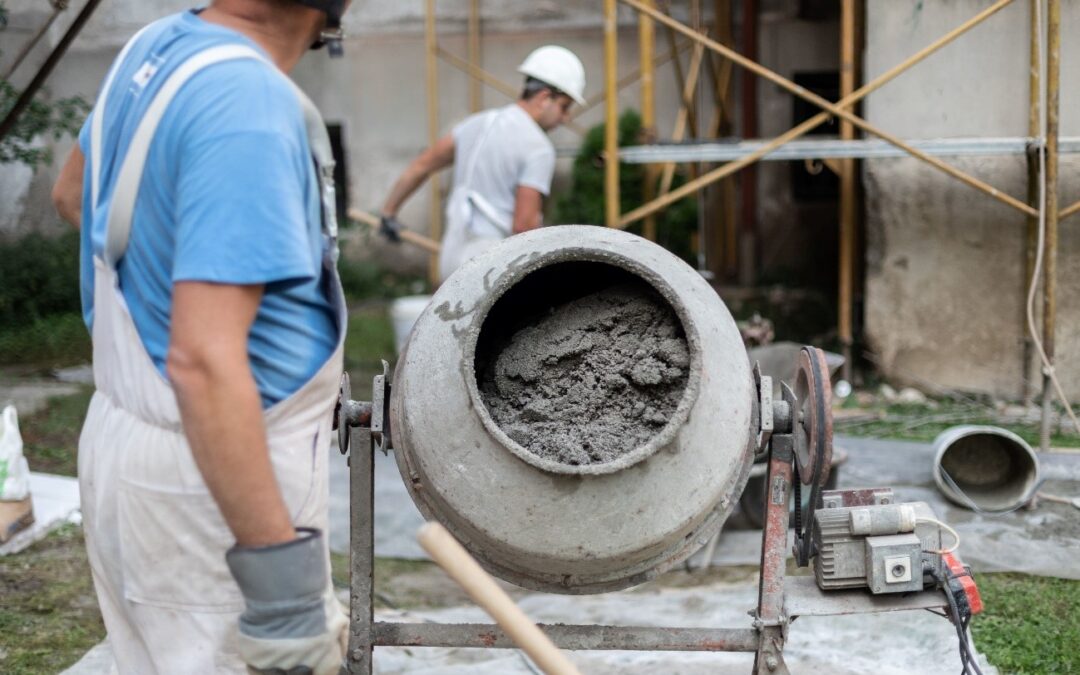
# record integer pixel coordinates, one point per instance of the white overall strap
(487, 209)
(470, 163)
(130, 176)
(97, 121)
(323, 152)
(477, 200)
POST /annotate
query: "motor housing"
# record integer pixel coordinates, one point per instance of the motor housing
(883, 546)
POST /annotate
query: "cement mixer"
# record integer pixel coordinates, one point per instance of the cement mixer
(577, 408)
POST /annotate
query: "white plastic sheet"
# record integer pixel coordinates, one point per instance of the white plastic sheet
(14, 472)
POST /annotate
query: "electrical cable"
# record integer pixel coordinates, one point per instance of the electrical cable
(989, 512)
(1048, 367)
(967, 650)
(962, 629)
(953, 533)
(968, 657)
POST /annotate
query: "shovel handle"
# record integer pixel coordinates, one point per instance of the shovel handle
(462, 568)
(414, 238)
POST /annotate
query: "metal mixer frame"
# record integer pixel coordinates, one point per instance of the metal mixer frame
(795, 438)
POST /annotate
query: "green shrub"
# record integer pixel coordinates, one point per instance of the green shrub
(51, 342)
(368, 280)
(53, 119)
(39, 277)
(584, 202)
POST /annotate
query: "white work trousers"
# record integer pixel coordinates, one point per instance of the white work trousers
(155, 537)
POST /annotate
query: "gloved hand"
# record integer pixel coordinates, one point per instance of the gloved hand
(390, 227)
(292, 625)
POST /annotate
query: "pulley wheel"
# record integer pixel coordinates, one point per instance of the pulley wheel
(344, 433)
(813, 420)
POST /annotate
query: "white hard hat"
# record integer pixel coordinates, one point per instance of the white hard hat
(558, 67)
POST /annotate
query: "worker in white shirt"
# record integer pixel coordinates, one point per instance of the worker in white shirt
(503, 161)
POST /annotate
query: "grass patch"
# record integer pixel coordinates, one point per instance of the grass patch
(54, 341)
(339, 569)
(366, 280)
(370, 340)
(923, 422)
(51, 435)
(49, 616)
(1029, 625)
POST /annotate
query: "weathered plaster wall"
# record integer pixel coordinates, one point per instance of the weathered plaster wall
(944, 279)
(377, 92)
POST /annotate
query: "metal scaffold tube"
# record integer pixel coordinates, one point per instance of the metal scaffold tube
(432, 81)
(27, 95)
(1053, 76)
(838, 109)
(1031, 240)
(611, 114)
(646, 42)
(848, 190)
(475, 101)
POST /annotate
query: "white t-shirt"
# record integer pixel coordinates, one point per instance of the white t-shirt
(513, 151)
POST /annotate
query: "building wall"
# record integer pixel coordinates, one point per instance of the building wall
(377, 92)
(797, 243)
(945, 291)
(944, 288)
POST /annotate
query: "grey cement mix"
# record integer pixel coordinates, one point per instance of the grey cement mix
(591, 380)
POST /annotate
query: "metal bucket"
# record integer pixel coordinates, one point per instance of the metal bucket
(985, 468)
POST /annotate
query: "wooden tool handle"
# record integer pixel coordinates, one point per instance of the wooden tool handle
(456, 561)
(414, 238)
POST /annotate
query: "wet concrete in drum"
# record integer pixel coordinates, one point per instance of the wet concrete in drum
(592, 379)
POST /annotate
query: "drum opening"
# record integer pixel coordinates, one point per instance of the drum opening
(582, 365)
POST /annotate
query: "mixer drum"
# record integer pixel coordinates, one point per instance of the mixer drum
(576, 406)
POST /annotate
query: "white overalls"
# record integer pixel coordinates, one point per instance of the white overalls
(473, 224)
(155, 537)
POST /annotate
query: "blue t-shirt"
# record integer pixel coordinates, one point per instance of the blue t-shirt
(228, 195)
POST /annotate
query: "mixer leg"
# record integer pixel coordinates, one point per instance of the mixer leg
(362, 558)
(771, 621)
(769, 659)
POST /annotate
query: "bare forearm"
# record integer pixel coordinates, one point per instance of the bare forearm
(221, 409)
(67, 192)
(524, 224)
(437, 157)
(408, 183)
(528, 209)
(222, 416)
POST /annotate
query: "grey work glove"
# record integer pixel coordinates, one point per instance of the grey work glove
(390, 227)
(292, 625)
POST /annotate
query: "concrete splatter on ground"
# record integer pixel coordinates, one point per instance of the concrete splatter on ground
(592, 379)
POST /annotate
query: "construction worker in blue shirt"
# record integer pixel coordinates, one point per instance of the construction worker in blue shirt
(202, 186)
